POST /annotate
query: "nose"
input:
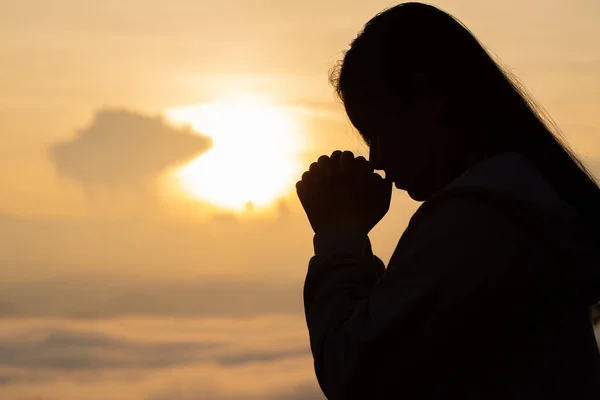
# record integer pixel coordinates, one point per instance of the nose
(375, 156)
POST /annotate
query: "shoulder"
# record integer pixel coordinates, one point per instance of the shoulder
(466, 214)
(462, 241)
(459, 229)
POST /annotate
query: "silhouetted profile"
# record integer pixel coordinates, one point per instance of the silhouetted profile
(488, 293)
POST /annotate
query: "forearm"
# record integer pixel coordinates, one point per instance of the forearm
(368, 333)
(342, 271)
(334, 290)
(340, 277)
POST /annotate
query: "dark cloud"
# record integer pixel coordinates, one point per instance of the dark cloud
(250, 357)
(121, 148)
(66, 349)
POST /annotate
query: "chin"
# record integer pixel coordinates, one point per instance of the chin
(413, 193)
(417, 195)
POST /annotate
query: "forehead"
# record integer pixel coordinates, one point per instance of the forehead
(368, 116)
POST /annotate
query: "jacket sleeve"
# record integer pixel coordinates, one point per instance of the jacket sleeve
(366, 329)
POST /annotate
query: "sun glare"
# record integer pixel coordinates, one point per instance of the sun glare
(254, 159)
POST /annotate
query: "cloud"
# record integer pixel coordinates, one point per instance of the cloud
(64, 350)
(149, 343)
(121, 148)
(157, 359)
(261, 356)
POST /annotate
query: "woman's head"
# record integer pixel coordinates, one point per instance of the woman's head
(419, 87)
(430, 101)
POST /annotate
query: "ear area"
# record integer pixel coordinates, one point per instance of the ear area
(426, 94)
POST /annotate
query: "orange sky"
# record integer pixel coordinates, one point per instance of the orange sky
(130, 239)
(65, 61)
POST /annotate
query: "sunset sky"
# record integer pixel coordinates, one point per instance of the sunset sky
(151, 246)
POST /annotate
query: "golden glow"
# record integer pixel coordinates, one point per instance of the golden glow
(254, 158)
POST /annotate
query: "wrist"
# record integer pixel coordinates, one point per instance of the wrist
(340, 239)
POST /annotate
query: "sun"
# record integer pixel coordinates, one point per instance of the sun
(255, 155)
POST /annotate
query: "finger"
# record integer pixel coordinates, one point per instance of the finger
(335, 162)
(307, 176)
(346, 161)
(378, 178)
(377, 182)
(362, 166)
(360, 160)
(339, 159)
(382, 184)
(324, 166)
(347, 156)
(318, 172)
(312, 178)
(301, 192)
(335, 156)
(324, 162)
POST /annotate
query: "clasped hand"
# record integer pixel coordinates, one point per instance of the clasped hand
(343, 191)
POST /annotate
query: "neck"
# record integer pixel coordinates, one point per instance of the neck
(445, 167)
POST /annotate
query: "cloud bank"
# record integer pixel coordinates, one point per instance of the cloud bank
(264, 358)
(121, 148)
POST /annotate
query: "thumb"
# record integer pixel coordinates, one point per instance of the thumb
(383, 187)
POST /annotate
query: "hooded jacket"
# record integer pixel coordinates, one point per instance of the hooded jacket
(487, 296)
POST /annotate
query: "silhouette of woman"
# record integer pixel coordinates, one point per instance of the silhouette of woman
(488, 293)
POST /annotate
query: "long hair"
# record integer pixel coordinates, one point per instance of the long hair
(414, 38)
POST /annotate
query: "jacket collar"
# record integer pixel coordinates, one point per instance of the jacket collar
(511, 174)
